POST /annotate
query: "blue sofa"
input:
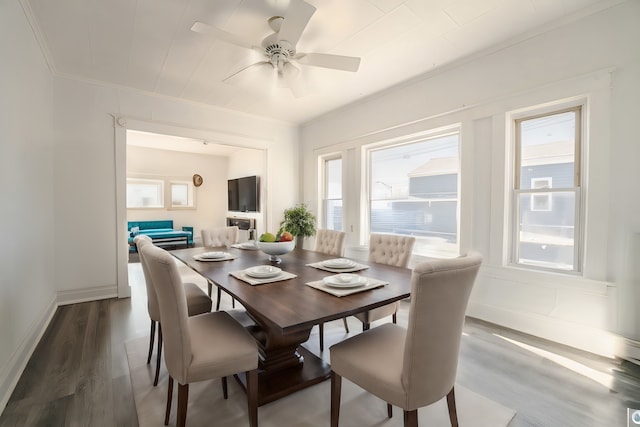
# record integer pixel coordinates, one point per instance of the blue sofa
(161, 233)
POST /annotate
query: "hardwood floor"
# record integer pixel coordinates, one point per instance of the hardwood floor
(78, 374)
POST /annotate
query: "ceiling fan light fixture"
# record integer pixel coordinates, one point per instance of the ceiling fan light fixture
(275, 22)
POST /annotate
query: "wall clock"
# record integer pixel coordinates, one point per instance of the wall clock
(197, 180)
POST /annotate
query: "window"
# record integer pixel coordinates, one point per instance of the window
(150, 194)
(547, 190)
(332, 203)
(182, 195)
(541, 201)
(145, 193)
(413, 190)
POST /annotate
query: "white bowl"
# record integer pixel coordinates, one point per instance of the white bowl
(276, 248)
(347, 278)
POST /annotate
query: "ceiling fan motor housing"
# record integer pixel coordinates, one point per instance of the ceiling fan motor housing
(278, 52)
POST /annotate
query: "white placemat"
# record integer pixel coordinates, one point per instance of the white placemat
(227, 257)
(254, 281)
(341, 292)
(320, 266)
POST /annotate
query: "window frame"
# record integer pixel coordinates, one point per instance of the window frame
(579, 107)
(325, 187)
(191, 195)
(434, 133)
(166, 192)
(139, 181)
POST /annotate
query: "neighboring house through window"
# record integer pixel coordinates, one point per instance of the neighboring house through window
(413, 190)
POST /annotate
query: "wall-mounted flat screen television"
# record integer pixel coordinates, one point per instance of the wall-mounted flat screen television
(244, 194)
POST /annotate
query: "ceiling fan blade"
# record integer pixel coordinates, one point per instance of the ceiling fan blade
(210, 30)
(295, 21)
(290, 78)
(325, 60)
(256, 67)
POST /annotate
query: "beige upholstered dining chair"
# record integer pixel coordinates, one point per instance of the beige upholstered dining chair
(197, 303)
(413, 367)
(221, 236)
(330, 242)
(391, 250)
(199, 348)
(216, 238)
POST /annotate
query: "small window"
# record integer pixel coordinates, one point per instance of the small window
(145, 193)
(182, 195)
(541, 201)
(333, 194)
(547, 192)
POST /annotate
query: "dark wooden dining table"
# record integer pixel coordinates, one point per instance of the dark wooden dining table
(284, 312)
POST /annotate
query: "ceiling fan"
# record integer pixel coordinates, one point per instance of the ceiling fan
(279, 48)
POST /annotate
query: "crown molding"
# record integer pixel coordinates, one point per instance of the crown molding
(39, 35)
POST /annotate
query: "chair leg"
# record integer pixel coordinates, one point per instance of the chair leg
(346, 326)
(366, 326)
(209, 288)
(183, 399)
(321, 333)
(389, 410)
(411, 418)
(167, 411)
(394, 317)
(233, 303)
(225, 392)
(219, 297)
(158, 358)
(152, 337)
(252, 397)
(451, 404)
(336, 386)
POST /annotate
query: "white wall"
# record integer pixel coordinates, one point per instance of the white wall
(87, 149)
(595, 56)
(27, 179)
(62, 161)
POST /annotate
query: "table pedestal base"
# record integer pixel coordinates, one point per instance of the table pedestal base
(275, 385)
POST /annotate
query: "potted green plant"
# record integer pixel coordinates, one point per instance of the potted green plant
(300, 222)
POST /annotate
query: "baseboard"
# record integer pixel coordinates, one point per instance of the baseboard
(13, 370)
(631, 351)
(87, 294)
(593, 340)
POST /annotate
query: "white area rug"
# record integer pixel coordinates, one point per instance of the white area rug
(307, 408)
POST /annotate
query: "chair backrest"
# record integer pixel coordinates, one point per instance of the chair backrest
(440, 292)
(142, 240)
(330, 242)
(221, 236)
(173, 310)
(391, 249)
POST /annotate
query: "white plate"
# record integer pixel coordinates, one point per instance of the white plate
(340, 281)
(213, 255)
(249, 245)
(339, 263)
(263, 271)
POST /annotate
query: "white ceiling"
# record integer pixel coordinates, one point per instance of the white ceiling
(148, 45)
(181, 144)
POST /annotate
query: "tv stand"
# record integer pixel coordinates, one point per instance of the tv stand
(241, 223)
